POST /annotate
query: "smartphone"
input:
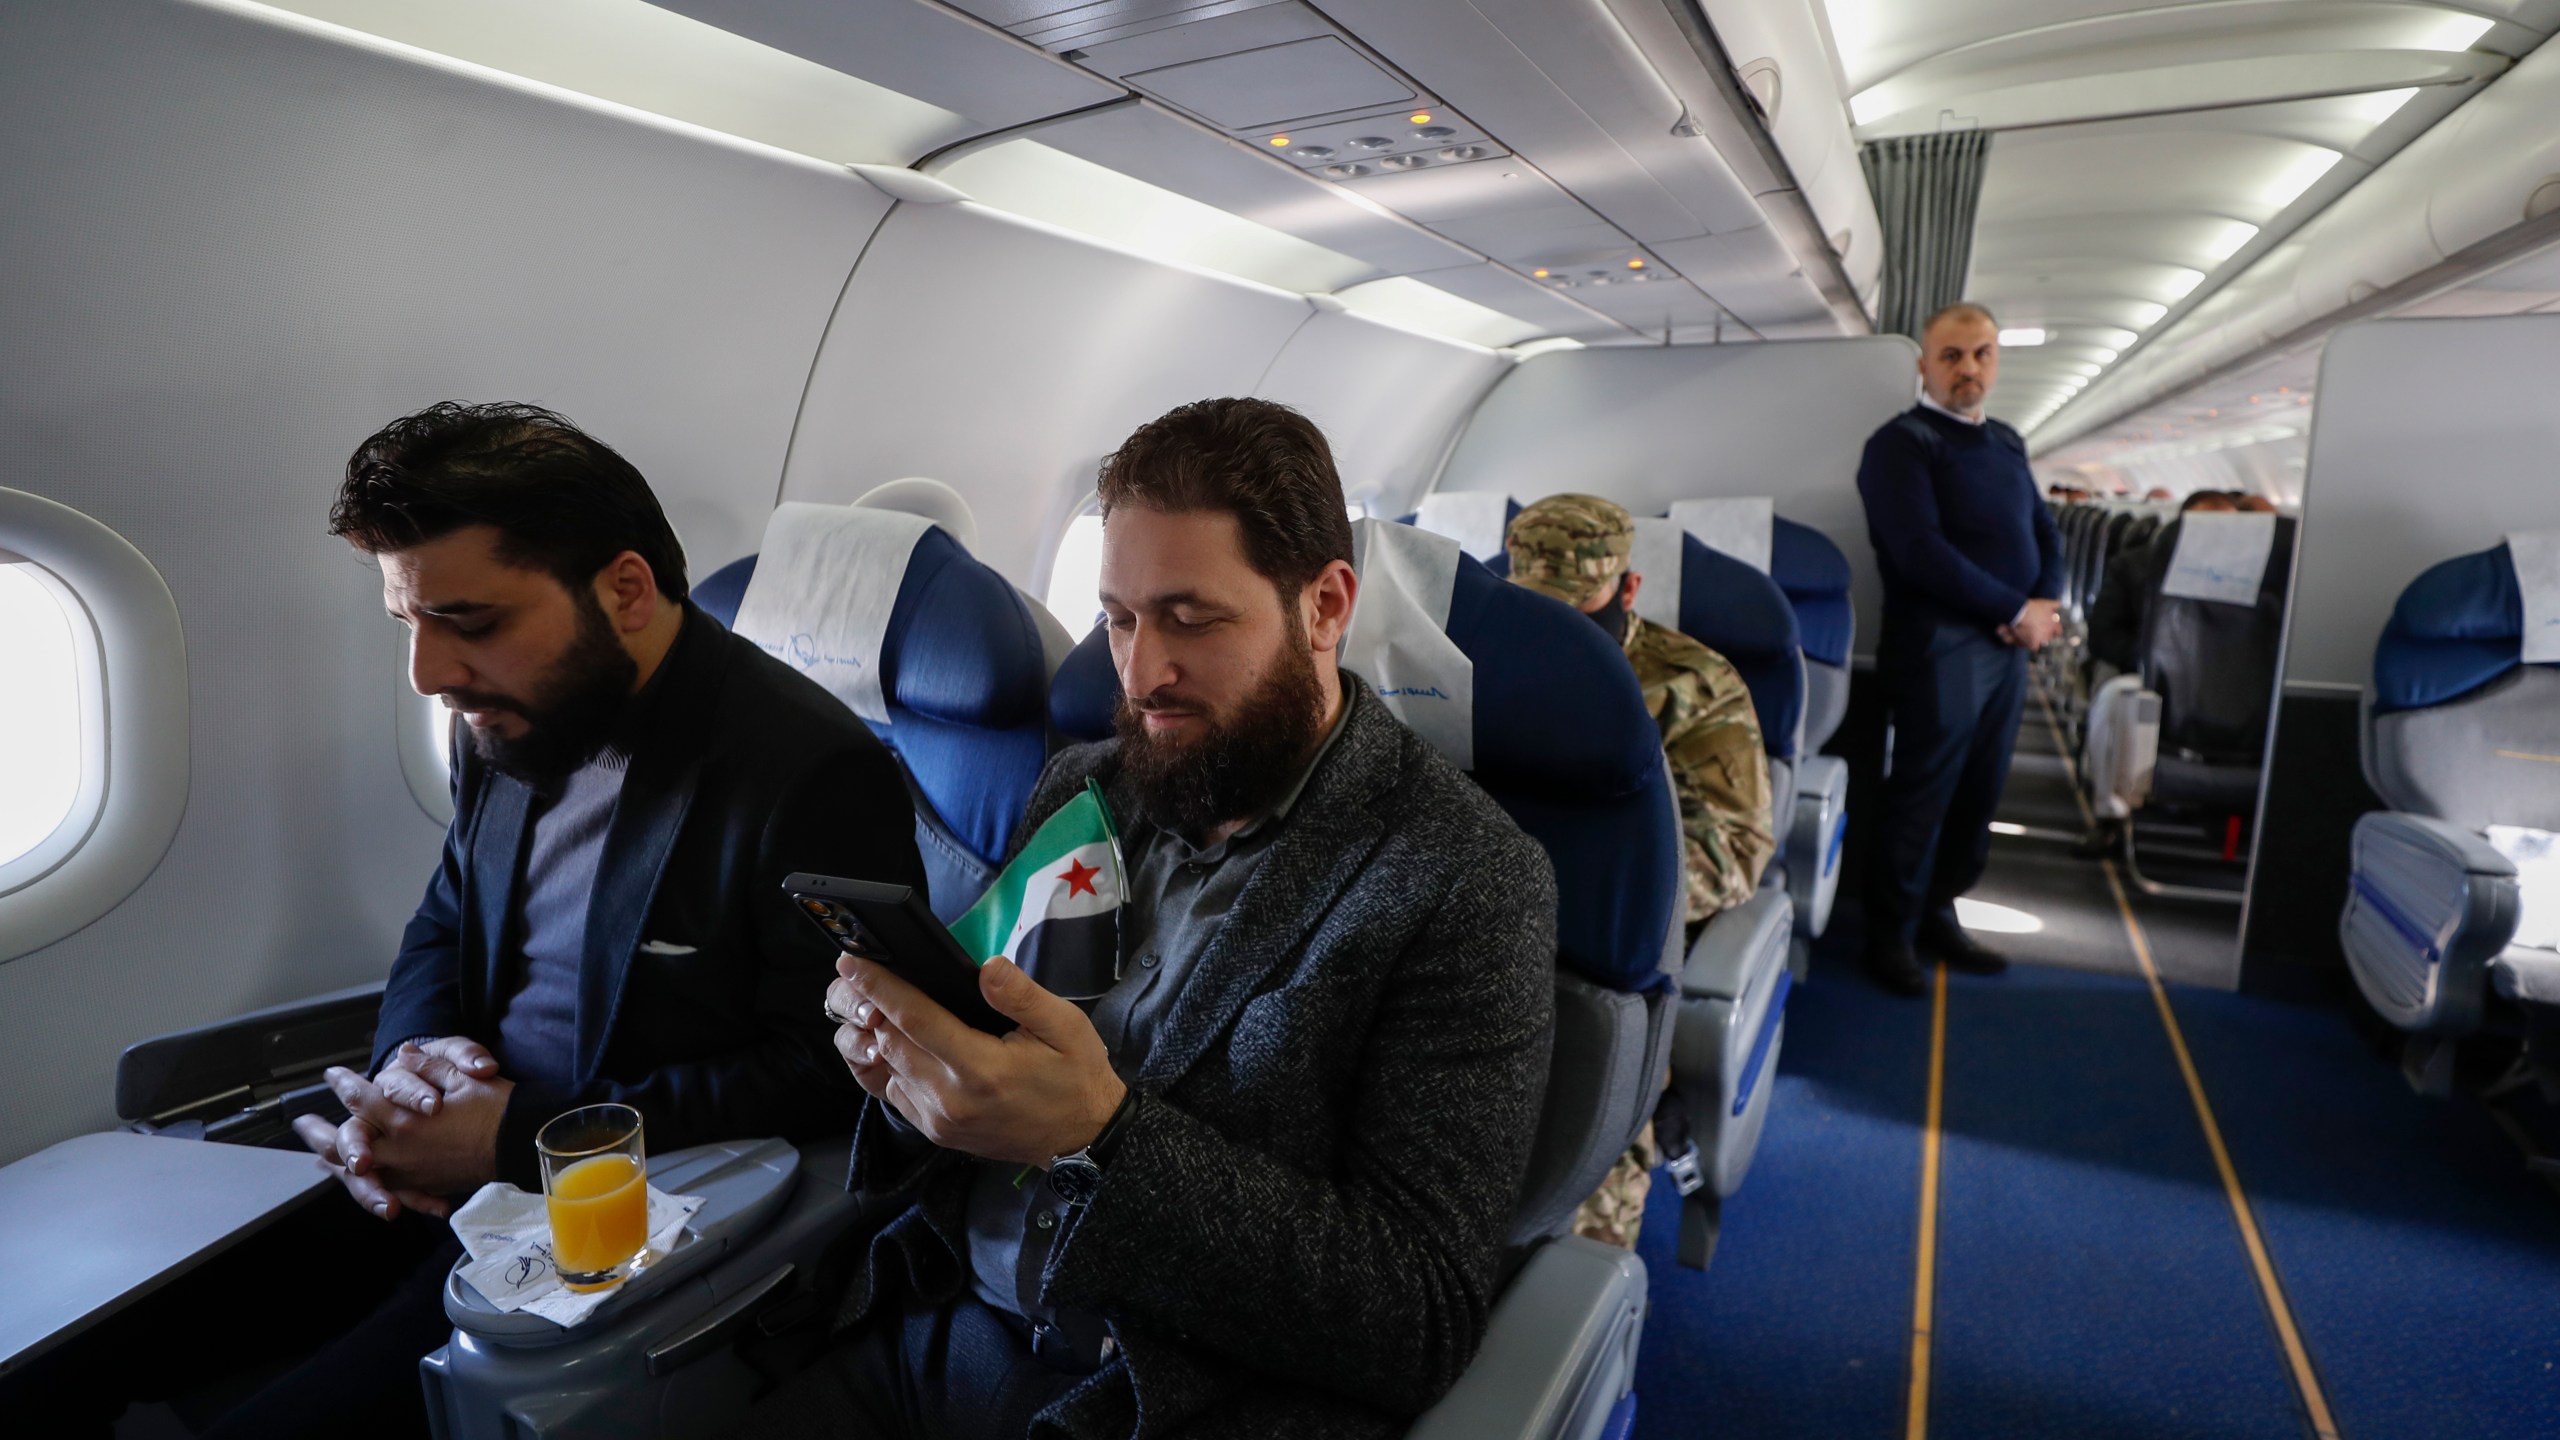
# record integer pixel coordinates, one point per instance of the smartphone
(892, 925)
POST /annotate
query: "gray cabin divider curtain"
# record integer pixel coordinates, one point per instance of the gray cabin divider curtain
(1926, 189)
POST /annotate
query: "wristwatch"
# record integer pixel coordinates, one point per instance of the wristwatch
(1077, 1176)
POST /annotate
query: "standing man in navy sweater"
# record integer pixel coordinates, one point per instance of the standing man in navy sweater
(1972, 564)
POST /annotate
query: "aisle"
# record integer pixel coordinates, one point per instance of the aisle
(2093, 1273)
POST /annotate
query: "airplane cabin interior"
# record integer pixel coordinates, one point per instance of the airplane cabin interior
(2225, 1103)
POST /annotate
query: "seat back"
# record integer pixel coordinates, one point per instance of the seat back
(962, 677)
(1562, 742)
(1814, 575)
(2457, 725)
(2213, 662)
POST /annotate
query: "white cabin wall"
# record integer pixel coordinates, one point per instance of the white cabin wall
(2430, 439)
(1648, 426)
(237, 248)
(1388, 400)
(243, 241)
(1006, 358)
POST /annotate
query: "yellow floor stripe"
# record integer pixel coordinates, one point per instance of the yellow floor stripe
(1924, 1298)
(2298, 1357)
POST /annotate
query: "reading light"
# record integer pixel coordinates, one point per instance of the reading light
(1537, 274)
(1420, 117)
(1636, 264)
(1279, 139)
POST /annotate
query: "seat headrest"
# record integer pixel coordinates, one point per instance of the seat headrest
(1815, 576)
(960, 667)
(826, 579)
(1742, 615)
(1398, 640)
(2220, 557)
(1477, 519)
(2456, 627)
(1561, 740)
(930, 499)
(1737, 525)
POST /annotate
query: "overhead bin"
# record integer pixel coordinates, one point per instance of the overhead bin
(1777, 51)
(2482, 171)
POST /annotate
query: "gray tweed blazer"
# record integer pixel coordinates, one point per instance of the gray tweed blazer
(1299, 1233)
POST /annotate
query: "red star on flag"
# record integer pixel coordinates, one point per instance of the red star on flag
(1079, 878)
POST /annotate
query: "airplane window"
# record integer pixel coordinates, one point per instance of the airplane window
(1076, 575)
(40, 709)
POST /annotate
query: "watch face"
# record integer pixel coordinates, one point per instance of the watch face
(1075, 1178)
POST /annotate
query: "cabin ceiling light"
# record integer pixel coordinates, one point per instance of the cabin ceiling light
(2234, 234)
(2021, 336)
(2456, 32)
(2303, 172)
(2147, 315)
(2381, 105)
(1869, 105)
(2184, 283)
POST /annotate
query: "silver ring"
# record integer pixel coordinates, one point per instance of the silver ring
(830, 1008)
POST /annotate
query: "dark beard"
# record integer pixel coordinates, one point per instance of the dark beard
(569, 719)
(1241, 767)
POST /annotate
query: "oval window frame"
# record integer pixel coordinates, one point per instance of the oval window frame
(141, 701)
(77, 823)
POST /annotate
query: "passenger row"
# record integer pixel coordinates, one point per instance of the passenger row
(2166, 677)
(1334, 1113)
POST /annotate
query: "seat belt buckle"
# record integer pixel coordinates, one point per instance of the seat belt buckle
(1684, 1170)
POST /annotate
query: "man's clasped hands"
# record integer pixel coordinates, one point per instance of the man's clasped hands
(423, 1130)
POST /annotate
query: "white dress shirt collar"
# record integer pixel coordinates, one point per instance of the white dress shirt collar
(1929, 404)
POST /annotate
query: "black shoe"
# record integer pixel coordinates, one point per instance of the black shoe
(1894, 967)
(1945, 940)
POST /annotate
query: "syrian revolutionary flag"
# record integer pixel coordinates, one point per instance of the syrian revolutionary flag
(1055, 910)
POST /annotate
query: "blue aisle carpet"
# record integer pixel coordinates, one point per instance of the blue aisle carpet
(1802, 1326)
(2421, 1259)
(2092, 1281)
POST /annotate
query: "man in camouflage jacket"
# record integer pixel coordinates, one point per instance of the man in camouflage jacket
(1576, 548)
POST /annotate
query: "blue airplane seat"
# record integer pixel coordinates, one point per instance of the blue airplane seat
(964, 677)
(1559, 737)
(2439, 927)
(1815, 576)
(1737, 975)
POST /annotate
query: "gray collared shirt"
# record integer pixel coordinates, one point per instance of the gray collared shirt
(1179, 895)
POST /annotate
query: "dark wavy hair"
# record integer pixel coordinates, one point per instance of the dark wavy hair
(562, 501)
(1260, 461)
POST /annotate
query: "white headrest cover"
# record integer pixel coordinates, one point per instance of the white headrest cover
(2537, 561)
(1399, 639)
(2220, 557)
(931, 499)
(826, 579)
(1656, 557)
(1474, 518)
(1737, 525)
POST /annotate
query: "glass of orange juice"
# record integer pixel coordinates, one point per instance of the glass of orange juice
(595, 1183)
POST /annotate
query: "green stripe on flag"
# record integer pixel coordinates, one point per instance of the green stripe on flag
(1082, 821)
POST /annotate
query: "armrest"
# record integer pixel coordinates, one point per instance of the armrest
(1558, 1353)
(2429, 904)
(1720, 964)
(233, 1063)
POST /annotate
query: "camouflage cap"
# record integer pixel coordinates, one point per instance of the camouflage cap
(1573, 547)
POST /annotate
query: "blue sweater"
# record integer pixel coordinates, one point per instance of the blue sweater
(1959, 530)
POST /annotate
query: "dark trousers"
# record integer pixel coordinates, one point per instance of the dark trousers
(314, 1327)
(1954, 694)
(960, 1372)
